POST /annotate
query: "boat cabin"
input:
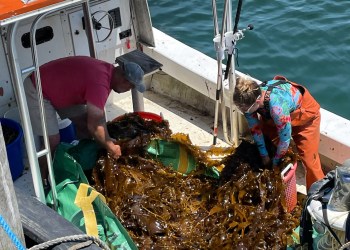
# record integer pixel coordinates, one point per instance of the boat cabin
(113, 31)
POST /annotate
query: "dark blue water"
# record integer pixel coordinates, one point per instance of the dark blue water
(308, 41)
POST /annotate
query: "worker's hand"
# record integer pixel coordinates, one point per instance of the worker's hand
(114, 150)
(266, 161)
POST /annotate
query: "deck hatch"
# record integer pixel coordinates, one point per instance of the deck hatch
(147, 63)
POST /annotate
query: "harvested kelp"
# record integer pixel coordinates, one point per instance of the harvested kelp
(163, 209)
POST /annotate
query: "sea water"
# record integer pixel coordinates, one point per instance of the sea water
(306, 41)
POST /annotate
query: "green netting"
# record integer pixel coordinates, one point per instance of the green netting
(69, 177)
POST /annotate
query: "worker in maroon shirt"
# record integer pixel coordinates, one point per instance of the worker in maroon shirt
(77, 88)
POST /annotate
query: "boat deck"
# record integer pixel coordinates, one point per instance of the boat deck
(182, 119)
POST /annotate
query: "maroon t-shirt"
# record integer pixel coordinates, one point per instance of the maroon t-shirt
(76, 80)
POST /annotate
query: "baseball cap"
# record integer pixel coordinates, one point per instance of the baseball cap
(134, 74)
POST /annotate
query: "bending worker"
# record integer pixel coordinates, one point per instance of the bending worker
(280, 109)
(77, 88)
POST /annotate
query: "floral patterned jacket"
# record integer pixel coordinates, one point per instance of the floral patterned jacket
(284, 99)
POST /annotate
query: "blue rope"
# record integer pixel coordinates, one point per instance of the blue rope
(11, 235)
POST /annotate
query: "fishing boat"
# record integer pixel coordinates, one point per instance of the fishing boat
(186, 87)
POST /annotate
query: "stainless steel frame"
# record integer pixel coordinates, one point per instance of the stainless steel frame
(18, 75)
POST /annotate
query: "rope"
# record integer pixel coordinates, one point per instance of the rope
(11, 235)
(81, 245)
(72, 238)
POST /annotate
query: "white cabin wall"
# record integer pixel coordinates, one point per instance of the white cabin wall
(114, 46)
(47, 51)
(69, 39)
(7, 96)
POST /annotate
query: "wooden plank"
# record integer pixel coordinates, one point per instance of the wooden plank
(8, 204)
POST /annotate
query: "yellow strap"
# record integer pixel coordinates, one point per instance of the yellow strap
(183, 161)
(84, 202)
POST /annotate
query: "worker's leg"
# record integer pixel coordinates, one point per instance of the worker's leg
(307, 138)
(51, 122)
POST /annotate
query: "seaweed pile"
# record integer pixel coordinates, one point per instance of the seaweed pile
(163, 209)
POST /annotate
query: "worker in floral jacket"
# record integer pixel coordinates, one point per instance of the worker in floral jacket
(282, 110)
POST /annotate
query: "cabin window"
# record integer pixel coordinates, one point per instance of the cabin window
(42, 35)
(115, 13)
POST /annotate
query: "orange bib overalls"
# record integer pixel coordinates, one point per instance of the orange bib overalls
(305, 133)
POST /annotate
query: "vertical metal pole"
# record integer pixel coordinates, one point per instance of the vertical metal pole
(229, 16)
(223, 26)
(47, 150)
(230, 74)
(137, 100)
(137, 97)
(233, 139)
(219, 92)
(89, 29)
(234, 117)
(233, 111)
(23, 109)
(215, 18)
(228, 138)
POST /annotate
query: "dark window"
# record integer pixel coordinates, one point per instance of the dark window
(115, 13)
(42, 35)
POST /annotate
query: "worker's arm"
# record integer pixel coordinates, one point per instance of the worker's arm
(96, 124)
(281, 117)
(255, 129)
